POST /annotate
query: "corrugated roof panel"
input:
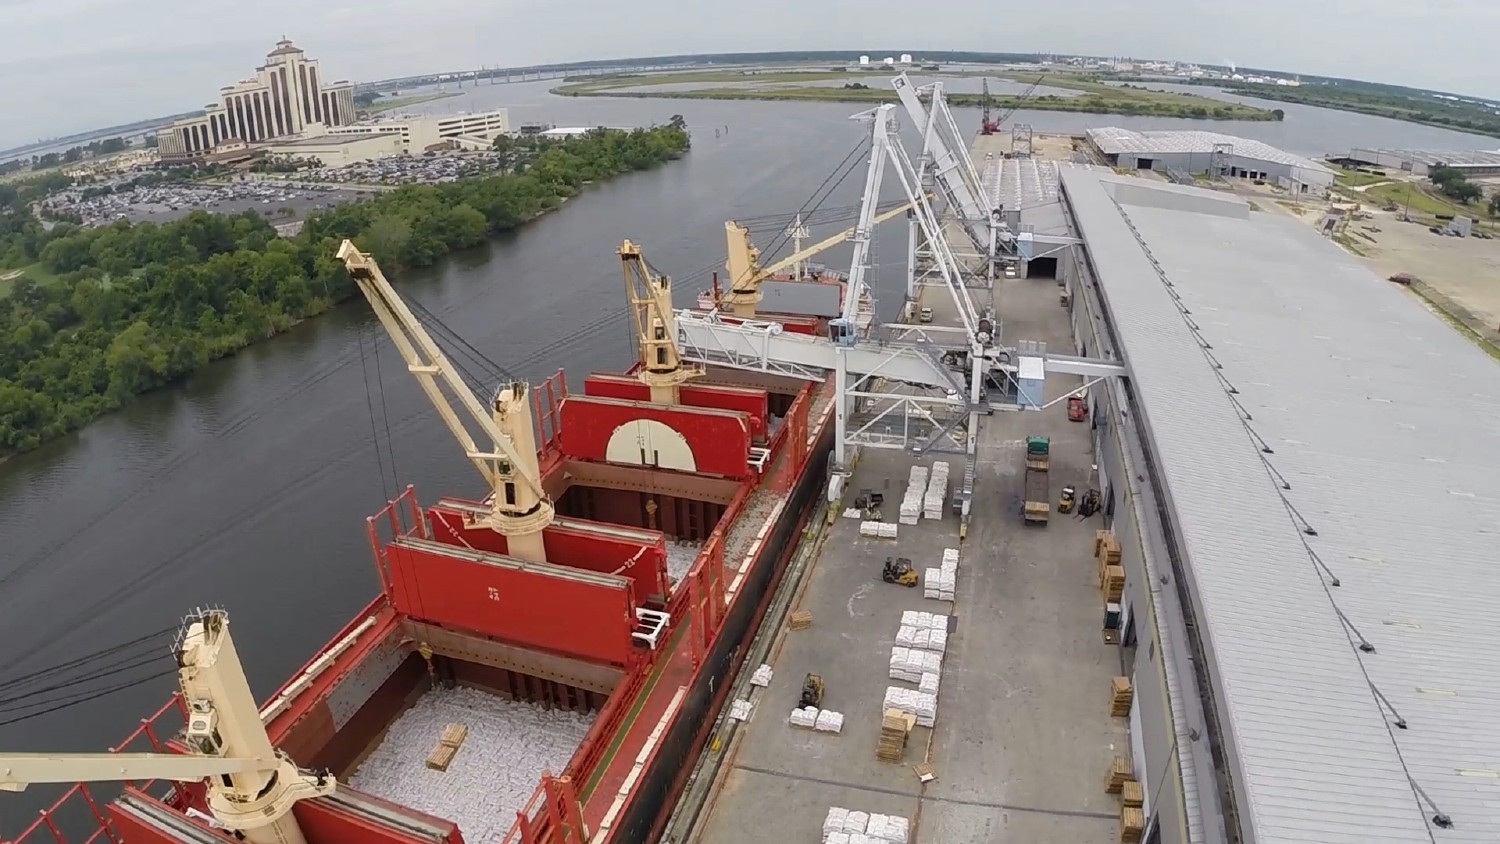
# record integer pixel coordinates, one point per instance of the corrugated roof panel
(1307, 739)
(1115, 141)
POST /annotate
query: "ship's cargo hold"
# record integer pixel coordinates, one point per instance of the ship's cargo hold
(937, 491)
(762, 676)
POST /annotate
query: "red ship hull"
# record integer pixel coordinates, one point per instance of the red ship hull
(747, 460)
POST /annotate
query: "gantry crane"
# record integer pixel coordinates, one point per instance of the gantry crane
(521, 508)
(251, 786)
(655, 321)
(746, 274)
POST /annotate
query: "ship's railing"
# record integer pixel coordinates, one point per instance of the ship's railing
(547, 416)
(401, 516)
(81, 812)
(553, 815)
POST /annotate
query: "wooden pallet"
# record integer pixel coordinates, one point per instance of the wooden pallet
(895, 726)
(800, 620)
(1132, 824)
(1132, 794)
(1113, 584)
(1120, 771)
(442, 757)
(454, 735)
(1119, 697)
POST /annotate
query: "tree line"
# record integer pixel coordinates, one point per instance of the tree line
(137, 306)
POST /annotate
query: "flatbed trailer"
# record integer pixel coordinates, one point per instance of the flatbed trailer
(1038, 500)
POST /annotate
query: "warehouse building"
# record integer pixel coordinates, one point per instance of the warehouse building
(1298, 467)
(1225, 156)
(1420, 162)
(340, 150)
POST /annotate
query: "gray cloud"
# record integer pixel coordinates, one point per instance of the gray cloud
(72, 65)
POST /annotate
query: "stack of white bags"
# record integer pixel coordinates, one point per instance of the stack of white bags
(909, 664)
(813, 718)
(916, 488)
(921, 704)
(762, 676)
(937, 491)
(740, 710)
(923, 638)
(879, 530)
(842, 826)
(941, 583)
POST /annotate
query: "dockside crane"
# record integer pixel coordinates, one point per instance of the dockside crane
(986, 125)
(252, 787)
(655, 321)
(746, 275)
(521, 508)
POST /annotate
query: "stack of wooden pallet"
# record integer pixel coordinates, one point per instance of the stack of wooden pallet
(1121, 780)
(1119, 773)
(1119, 698)
(448, 744)
(895, 726)
(1111, 573)
(800, 620)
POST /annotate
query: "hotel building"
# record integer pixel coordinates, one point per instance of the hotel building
(286, 98)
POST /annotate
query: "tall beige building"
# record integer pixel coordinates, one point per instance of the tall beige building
(287, 97)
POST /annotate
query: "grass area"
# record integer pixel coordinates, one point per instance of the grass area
(402, 102)
(1423, 201)
(1092, 96)
(35, 272)
(1356, 179)
(1457, 324)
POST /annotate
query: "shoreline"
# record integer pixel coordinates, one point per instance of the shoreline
(874, 96)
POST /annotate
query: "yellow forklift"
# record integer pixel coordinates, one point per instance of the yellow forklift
(812, 691)
(1067, 500)
(899, 570)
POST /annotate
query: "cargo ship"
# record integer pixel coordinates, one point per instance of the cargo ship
(542, 665)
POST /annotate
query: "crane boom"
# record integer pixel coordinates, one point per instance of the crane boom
(18, 770)
(522, 508)
(746, 274)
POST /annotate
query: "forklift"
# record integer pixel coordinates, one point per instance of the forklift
(899, 570)
(812, 691)
(1067, 499)
(1077, 407)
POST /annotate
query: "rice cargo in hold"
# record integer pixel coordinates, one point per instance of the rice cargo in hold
(554, 600)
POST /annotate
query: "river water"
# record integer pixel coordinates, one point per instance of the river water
(247, 487)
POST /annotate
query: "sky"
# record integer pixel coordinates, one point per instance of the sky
(70, 66)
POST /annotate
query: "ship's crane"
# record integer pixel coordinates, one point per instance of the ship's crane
(1025, 95)
(746, 275)
(251, 786)
(655, 321)
(521, 507)
(986, 125)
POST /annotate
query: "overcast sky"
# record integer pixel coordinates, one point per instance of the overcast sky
(73, 65)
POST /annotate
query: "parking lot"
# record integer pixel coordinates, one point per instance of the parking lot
(164, 203)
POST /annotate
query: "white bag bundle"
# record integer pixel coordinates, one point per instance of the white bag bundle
(877, 827)
(950, 555)
(834, 822)
(932, 661)
(861, 838)
(856, 822)
(931, 583)
(762, 676)
(804, 717)
(919, 639)
(935, 621)
(928, 683)
(912, 618)
(869, 528)
(829, 722)
(887, 530)
(898, 829)
(739, 710)
(839, 837)
(906, 636)
(932, 640)
(852, 513)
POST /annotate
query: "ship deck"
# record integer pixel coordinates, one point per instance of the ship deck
(1023, 734)
(604, 795)
(494, 773)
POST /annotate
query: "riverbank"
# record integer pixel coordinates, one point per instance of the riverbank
(1396, 103)
(112, 328)
(380, 106)
(1087, 94)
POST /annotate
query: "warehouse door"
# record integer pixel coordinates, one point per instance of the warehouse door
(1138, 750)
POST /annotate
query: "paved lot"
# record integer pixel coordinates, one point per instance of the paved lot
(1023, 735)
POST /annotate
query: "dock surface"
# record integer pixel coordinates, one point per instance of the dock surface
(1023, 734)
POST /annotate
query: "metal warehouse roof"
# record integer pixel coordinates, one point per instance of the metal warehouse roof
(1113, 140)
(1460, 158)
(1384, 424)
(1028, 184)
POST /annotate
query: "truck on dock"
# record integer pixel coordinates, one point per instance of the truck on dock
(1038, 503)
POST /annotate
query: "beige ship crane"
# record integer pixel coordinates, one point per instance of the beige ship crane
(521, 507)
(746, 274)
(662, 368)
(251, 786)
